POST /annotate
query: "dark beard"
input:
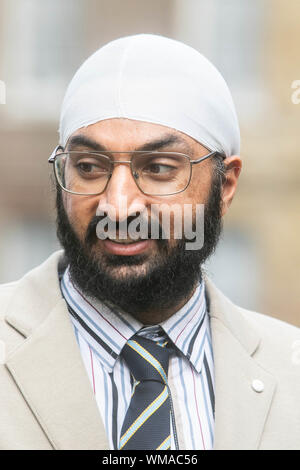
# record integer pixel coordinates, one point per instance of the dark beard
(169, 279)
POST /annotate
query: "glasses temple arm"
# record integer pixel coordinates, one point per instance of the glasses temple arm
(53, 154)
(193, 162)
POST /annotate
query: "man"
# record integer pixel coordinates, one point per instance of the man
(120, 341)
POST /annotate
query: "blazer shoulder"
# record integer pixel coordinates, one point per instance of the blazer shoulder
(279, 348)
(6, 294)
(25, 303)
(272, 327)
(255, 331)
(9, 337)
(6, 291)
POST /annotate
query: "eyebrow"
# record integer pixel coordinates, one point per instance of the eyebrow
(81, 140)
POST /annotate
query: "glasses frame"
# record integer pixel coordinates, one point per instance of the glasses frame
(54, 155)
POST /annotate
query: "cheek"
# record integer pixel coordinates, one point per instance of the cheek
(199, 189)
(172, 216)
(79, 213)
(186, 203)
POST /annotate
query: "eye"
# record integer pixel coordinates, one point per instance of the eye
(85, 167)
(91, 168)
(158, 168)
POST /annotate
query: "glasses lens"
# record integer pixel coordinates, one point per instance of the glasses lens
(161, 173)
(82, 173)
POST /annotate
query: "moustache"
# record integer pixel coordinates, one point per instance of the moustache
(93, 233)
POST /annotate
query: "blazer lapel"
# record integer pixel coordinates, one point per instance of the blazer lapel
(50, 374)
(240, 411)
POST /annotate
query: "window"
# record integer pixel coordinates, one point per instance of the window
(230, 33)
(42, 41)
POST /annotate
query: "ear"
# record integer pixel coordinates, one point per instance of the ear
(233, 167)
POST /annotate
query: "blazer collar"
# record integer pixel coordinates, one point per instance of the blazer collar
(232, 317)
(240, 411)
(49, 371)
(38, 289)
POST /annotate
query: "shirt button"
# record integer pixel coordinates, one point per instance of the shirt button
(258, 386)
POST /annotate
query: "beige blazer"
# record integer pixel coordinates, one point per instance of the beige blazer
(46, 401)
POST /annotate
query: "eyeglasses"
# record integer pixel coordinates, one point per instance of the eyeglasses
(155, 173)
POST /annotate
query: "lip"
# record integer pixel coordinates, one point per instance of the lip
(126, 249)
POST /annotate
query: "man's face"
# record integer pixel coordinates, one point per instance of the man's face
(128, 274)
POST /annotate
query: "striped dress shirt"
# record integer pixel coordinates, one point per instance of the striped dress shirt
(102, 332)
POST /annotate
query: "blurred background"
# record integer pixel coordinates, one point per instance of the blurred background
(256, 46)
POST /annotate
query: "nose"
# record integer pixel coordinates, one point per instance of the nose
(122, 197)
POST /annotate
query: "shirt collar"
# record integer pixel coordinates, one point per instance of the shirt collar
(106, 330)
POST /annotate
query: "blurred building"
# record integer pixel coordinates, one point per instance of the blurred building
(255, 45)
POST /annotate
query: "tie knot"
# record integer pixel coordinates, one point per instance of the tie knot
(146, 359)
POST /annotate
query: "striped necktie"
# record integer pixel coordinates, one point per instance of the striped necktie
(147, 422)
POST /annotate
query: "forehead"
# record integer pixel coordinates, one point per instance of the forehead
(122, 134)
